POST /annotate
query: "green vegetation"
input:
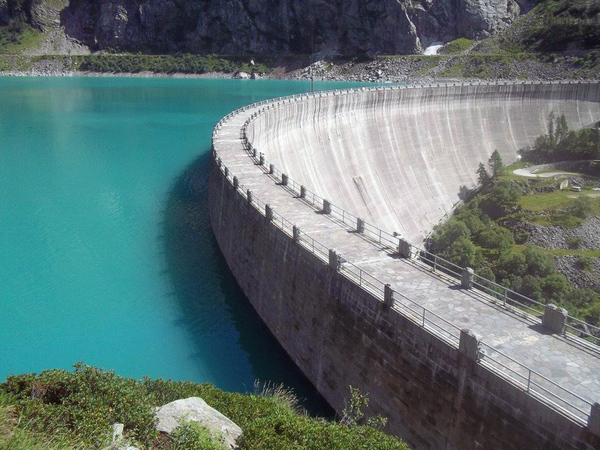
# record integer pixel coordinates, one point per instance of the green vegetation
(456, 46)
(563, 25)
(192, 64)
(479, 236)
(64, 409)
(562, 144)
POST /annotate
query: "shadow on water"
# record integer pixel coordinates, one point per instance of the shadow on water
(211, 301)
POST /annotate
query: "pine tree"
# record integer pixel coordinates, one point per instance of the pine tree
(496, 165)
(483, 176)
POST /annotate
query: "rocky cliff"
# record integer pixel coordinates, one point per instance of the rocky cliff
(278, 26)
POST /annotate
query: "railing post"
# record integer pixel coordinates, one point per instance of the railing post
(388, 298)
(302, 191)
(268, 213)
(593, 424)
(326, 207)
(470, 344)
(226, 171)
(295, 234)
(360, 225)
(466, 282)
(404, 249)
(271, 169)
(253, 151)
(236, 182)
(284, 179)
(249, 196)
(554, 318)
(261, 159)
(334, 260)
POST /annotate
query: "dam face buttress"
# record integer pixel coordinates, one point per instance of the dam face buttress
(289, 181)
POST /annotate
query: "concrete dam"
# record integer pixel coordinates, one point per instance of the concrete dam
(319, 203)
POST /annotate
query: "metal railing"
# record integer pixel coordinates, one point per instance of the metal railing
(497, 294)
(539, 386)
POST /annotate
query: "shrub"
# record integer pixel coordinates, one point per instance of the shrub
(582, 207)
(193, 436)
(585, 263)
(574, 242)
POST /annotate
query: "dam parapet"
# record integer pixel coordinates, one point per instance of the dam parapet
(444, 364)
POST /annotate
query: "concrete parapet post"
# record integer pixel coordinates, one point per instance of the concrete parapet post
(261, 159)
(284, 179)
(271, 168)
(253, 152)
(302, 191)
(219, 162)
(226, 171)
(360, 225)
(466, 281)
(593, 424)
(404, 249)
(249, 196)
(295, 234)
(554, 318)
(268, 213)
(388, 298)
(236, 182)
(326, 207)
(470, 344)
(334, 259)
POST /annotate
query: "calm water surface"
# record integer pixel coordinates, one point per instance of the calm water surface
(106, 251)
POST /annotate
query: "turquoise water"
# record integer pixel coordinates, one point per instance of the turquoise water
(106, 251)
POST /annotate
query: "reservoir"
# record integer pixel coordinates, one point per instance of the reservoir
(106, 251)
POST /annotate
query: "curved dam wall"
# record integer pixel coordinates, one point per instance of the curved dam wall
(342, 333)
(381, 153)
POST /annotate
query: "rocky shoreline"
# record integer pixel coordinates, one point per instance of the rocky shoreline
(384, 69)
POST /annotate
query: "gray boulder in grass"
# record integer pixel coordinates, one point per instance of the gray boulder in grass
(194, 409)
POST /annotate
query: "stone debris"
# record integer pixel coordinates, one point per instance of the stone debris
(195, 409)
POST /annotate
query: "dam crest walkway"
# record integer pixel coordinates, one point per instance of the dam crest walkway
(560, 371)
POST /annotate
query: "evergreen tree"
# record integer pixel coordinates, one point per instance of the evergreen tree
(496, 164)
(483, 176)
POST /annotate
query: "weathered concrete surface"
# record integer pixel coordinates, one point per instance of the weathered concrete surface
(379, 154)
(340, 334)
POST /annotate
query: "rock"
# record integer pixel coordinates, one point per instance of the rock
(195, 409)
(242, 76)
(117, 432)
(325, 27)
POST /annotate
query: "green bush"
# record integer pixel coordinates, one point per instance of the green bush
(582, 207)
(192, 436)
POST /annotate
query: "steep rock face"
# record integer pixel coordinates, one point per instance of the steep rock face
(283, 26)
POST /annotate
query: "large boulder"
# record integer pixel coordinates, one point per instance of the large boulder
(194, 409)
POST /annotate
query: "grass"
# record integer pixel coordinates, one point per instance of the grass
(27, 39)
(456, 46)
(562, 252)
(553, 201)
